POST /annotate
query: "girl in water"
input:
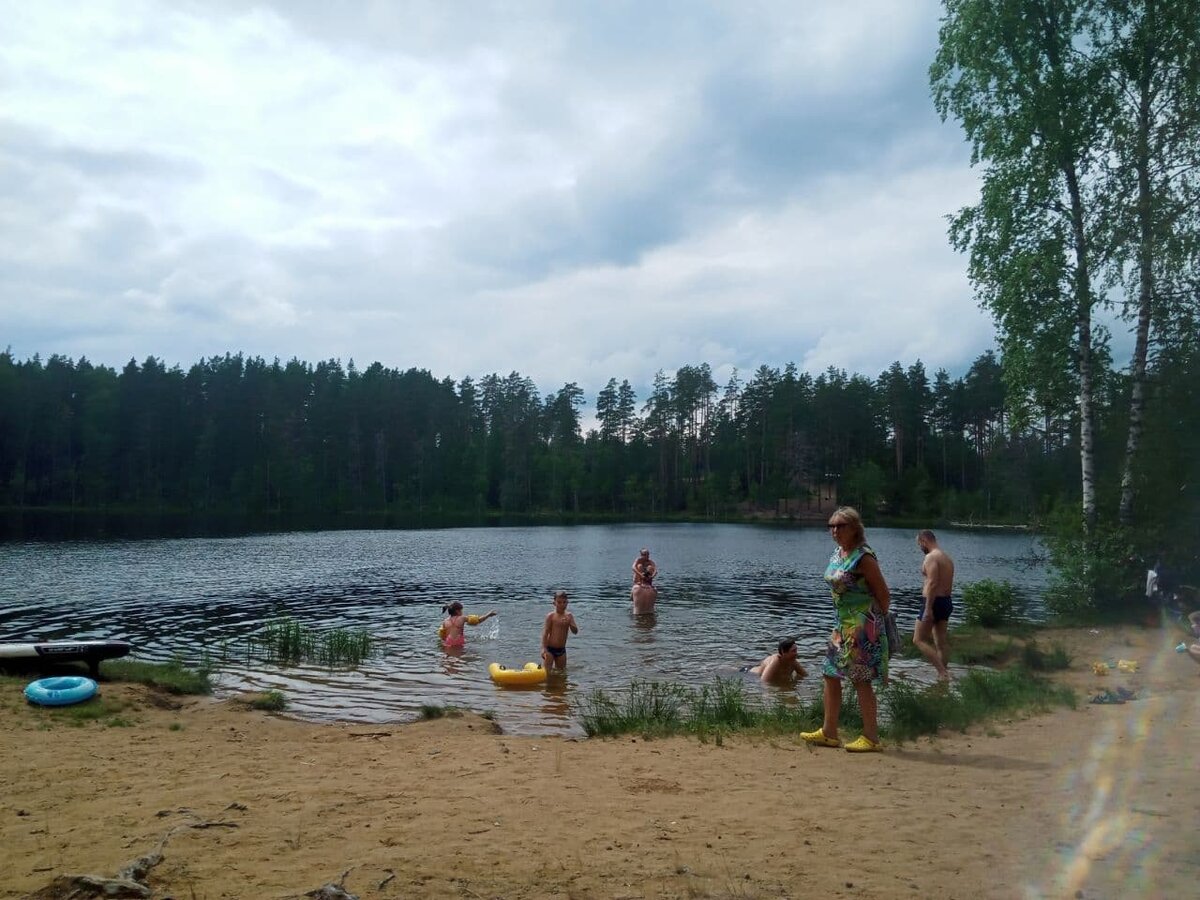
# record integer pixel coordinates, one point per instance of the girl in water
(452, 628)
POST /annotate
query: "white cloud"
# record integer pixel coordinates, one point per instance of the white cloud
(576, 193)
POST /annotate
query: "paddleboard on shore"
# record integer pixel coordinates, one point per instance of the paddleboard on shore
(90, 652)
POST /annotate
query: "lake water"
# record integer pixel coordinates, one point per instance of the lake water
(727, 593)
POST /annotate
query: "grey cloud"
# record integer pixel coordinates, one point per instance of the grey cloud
(24, 145)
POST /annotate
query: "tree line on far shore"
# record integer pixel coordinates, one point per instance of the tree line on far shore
(240, 435)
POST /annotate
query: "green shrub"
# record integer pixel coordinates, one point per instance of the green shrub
(991, 603)
(1038, 660)
(270, 701)
(1093, 572)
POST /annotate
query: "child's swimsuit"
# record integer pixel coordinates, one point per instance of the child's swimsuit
(453, 641)
(556, 652)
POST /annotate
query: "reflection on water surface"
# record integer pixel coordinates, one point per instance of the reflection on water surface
(727, 594)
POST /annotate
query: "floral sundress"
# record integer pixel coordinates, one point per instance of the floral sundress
(858, 647)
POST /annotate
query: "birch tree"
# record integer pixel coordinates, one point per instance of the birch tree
(1033, 108)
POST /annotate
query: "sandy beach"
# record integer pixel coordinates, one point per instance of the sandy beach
(1098, 801)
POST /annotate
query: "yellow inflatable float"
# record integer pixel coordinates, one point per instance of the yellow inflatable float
(532, 673)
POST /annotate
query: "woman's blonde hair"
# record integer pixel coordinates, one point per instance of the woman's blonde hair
(850, 516)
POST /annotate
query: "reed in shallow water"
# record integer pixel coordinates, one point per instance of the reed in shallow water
(288, 642)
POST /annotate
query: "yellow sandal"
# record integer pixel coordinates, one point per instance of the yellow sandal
(863, 744)
(818, 737)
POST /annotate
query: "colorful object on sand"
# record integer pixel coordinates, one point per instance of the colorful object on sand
(1128, 666)
(532, 673)
(1100, 668)
(62, 691)
(1181, 647)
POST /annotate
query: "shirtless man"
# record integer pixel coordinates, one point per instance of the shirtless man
(780, 668)
(644, 568)
(554, 634)
(644, 594)
(930, 636)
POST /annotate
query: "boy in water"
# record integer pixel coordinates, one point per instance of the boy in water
(554, 634)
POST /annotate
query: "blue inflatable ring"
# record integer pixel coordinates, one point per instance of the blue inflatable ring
(61, 691)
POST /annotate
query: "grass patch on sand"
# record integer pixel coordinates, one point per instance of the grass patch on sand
(269, 701)
(172, 677)
(910, 712)
(657, 709)
(436, 711)
(974, 645)
(99, 709)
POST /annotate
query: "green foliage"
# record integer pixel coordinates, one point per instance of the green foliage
(173, 677)
(1094, 570)
(438, 711)
(240, 442)
(100, 709)
(269, 701)
(1036, 659)
(288, 642)
(991, 603)
(726, 706)
(977, 697)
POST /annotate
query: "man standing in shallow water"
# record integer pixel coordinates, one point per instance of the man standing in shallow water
(933, 623)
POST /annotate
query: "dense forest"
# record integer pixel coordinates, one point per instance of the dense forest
(244, 436)
(1083, 119)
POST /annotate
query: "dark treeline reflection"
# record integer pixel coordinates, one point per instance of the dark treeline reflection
(326, 444)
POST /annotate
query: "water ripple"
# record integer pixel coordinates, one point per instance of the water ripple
(727, 594)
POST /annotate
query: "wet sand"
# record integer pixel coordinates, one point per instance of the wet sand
(1094, 802)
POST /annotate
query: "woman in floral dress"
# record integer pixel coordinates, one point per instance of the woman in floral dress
(858, 647)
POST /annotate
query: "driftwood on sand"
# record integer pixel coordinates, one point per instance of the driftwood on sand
(129, 883)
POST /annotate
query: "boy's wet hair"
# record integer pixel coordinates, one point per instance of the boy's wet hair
(562, 594)
(786, 644)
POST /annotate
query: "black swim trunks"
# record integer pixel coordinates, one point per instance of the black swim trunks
(556, 652)
(942, 608)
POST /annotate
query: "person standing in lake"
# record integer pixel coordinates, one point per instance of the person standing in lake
(858, 647)
(933, 622)
(554, 634)
(643, 593)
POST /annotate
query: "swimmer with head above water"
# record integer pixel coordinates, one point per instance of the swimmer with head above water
(455, 624)
(780, 668)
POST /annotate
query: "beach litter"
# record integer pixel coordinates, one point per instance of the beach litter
(1120, 695)
(1181, 647)
(1128, 666)
(1100, 668)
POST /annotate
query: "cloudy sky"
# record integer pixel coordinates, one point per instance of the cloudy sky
(572, 190)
